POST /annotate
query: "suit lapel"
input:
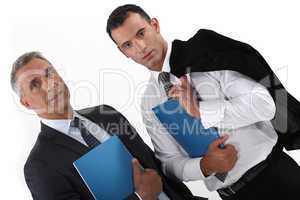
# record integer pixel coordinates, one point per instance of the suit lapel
(107, 119)
(63, 140)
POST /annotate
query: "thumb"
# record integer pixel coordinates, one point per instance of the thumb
(219, 141)
(137, 174)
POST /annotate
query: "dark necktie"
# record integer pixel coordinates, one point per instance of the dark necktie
(164, 78)
(90, 140)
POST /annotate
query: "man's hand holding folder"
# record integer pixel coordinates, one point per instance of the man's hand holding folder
(147, 182)
(110, 172)
(218, 160)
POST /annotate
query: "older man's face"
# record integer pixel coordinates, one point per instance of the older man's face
(141, 41)
(42, 89)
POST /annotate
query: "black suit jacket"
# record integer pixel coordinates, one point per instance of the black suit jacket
(210, 51)
(49, 172)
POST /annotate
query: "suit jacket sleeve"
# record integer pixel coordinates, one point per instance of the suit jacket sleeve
(210, 51)
(48, 184)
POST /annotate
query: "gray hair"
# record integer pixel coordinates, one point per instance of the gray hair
(19, 63)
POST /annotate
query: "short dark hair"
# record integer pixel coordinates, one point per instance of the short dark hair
(120, 14)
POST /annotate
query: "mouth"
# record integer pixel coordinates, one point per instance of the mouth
(148, 55)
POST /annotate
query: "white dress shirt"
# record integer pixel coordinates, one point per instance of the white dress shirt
(63, 126)
(230, 101)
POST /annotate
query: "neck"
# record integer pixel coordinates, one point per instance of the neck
(67, 113)
(164, 54)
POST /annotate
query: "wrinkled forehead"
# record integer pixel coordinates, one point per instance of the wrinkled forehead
(132, 24)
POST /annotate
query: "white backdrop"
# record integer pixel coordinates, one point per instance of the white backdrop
(72, 35)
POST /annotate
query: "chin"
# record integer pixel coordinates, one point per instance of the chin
(154, 67)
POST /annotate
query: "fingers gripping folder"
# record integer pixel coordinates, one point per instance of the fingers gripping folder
(188, 131)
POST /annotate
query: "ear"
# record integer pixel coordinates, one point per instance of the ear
(25, 103)
(155, 24)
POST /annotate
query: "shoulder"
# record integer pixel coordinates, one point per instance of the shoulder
(202, 34)
(99, 108)
(205, 32)
(103, 110)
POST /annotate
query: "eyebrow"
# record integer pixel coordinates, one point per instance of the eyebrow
(141, 29)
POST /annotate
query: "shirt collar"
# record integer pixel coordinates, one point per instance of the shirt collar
(166, 64)
(61, 125)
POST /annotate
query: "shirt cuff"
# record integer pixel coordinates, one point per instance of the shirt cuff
(140, 198)
(211, 112)
(193, 172)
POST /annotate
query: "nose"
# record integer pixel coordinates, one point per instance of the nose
(140, 45)
(52, 84)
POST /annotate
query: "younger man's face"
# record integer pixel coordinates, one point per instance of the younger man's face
(141, 41)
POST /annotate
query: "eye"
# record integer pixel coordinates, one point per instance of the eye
(35, 84)
(127, 45)
(141, 33)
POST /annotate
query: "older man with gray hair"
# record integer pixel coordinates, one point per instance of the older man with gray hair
(49, 170)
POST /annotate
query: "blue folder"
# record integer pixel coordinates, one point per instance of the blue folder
(187, 130)
(107, 170)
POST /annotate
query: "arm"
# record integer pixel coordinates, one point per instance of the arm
(175, 161)
(47, 184)
(246, 103)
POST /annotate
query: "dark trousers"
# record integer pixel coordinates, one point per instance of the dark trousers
(279, 180)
